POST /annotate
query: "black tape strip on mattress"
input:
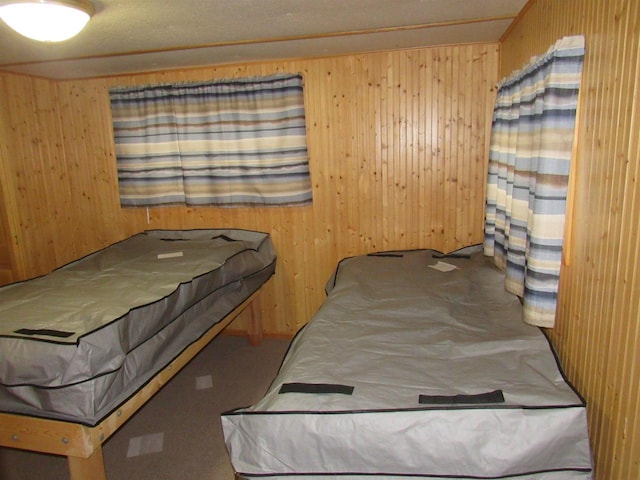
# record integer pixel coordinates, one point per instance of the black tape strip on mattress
(495, 396)
(44, 331)
(316, 388)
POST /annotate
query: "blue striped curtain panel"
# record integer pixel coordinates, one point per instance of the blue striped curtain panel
(232, 142)
(529, 161)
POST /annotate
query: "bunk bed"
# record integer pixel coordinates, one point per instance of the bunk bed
(417, 365)
(84, 347)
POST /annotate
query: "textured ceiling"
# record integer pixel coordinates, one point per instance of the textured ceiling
(126, 36)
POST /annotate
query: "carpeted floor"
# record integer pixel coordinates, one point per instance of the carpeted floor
(177, 435)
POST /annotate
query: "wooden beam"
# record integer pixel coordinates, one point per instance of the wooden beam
(44, 435)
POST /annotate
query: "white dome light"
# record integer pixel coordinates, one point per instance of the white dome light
(47, 20)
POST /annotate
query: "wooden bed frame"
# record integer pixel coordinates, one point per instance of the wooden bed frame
(81, 444)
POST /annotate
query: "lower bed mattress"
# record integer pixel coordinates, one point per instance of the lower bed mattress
(78, 342)
(415, 366)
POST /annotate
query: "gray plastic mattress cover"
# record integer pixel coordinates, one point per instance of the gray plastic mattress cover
(78, 342)
(415, 366)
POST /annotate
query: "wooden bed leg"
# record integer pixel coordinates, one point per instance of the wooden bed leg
(255, 322)
(91, 468)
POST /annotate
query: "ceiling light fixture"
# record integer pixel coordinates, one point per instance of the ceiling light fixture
(46, 20)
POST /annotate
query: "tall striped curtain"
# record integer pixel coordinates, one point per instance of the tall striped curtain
(230, 142)
(529, 161)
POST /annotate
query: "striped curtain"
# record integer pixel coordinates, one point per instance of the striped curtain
(232, 142)
(529, 161)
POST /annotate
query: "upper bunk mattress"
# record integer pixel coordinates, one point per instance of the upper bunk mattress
(415, 366)
(78, 342)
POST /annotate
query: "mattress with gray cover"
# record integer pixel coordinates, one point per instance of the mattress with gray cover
(415, 366)
(77, 343)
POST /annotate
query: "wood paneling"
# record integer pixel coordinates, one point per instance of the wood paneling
(6, 247)
(57, 181)
(598, 327)
(397, 142)
(6, 251)
(32, 157)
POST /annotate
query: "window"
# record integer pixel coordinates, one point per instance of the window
(230, 142)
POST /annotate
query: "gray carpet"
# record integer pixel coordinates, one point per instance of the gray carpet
(177, 435)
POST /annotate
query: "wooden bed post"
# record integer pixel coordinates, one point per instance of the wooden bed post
(255, 321)
(88, 468)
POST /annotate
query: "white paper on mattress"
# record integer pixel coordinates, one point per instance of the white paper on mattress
(127, 314)
(397, 331)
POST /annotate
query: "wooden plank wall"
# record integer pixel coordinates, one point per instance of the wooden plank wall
(598, 328)
(28, 129)
(397, 143)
